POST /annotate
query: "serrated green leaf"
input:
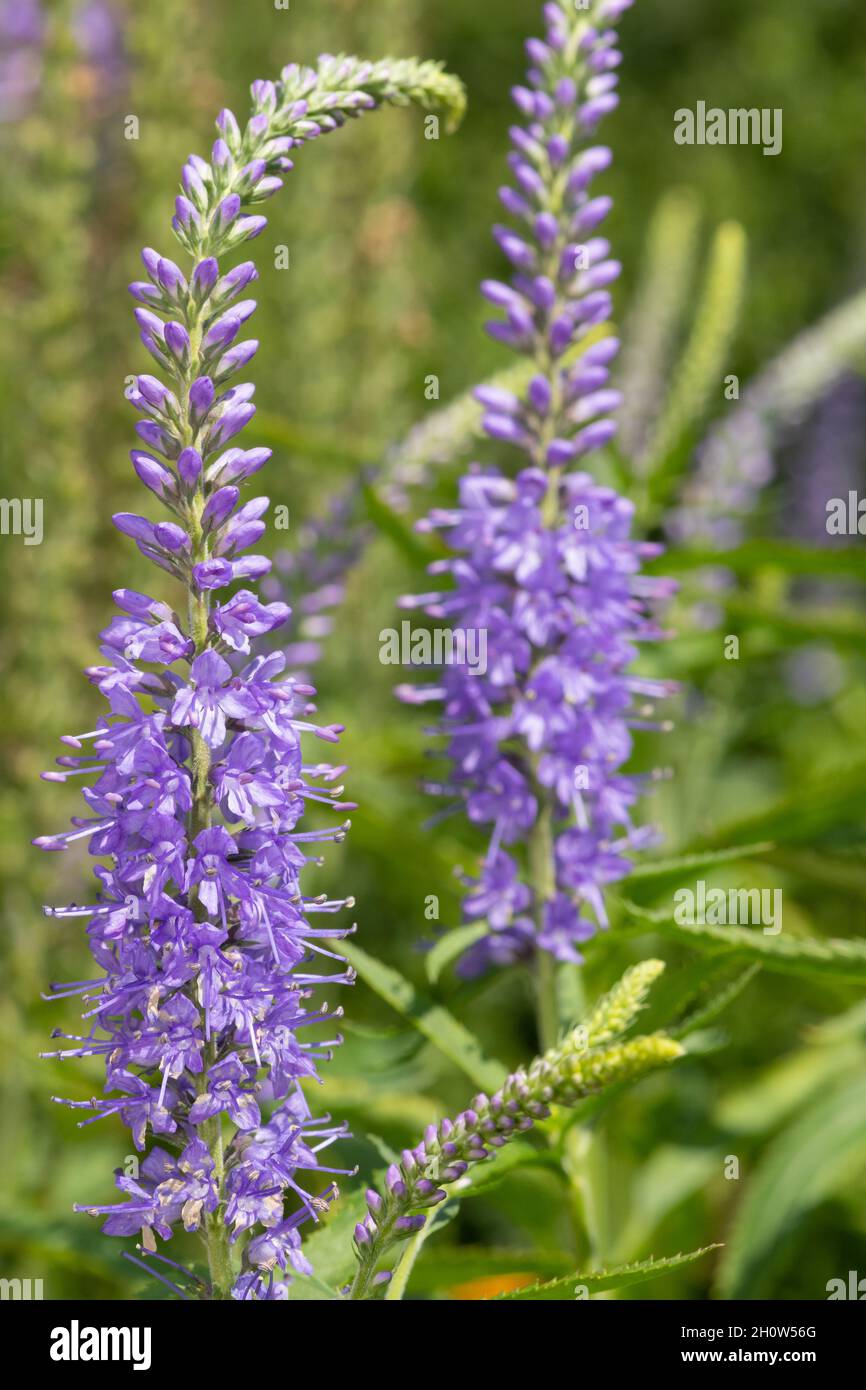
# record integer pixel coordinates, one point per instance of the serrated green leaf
(449, 947)
(435, 1022)
(823, 1148)
(688, 988)
(599, 1280)
(716, 1004)
(661, 871)
(839, 871)
(833, 958)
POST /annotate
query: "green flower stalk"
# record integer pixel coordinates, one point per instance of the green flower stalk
(200, 926)
(585, 1062)
(616, 1011)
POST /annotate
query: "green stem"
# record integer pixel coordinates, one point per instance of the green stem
(582, 1157)
(369, 1257)
(216, 1232)
(584, 1164)
(579, 1159)
(547, 1006)
(542, 878)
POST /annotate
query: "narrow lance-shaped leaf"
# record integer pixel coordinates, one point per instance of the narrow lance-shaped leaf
(440, 1027)
(577, 1286)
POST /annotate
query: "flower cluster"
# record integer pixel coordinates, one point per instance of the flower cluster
(543, 562)
(588, 1060)
(198, 776)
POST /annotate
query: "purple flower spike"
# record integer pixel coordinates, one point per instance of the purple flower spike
(205, 941)
(543, 571)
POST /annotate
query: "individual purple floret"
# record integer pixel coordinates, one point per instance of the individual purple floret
(207, 941)
(825, 460)
(542, 562)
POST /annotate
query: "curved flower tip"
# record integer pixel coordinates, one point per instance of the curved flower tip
(196, 777)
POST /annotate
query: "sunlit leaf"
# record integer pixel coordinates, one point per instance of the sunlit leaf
(449, 947)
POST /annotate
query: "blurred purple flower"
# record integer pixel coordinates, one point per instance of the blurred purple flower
(543, 562)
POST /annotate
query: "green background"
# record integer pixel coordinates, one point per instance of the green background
(388, 235)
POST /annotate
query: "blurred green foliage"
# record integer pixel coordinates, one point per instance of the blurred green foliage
(388, 236)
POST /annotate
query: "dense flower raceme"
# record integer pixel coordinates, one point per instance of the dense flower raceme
(207, 947)
(544, 563)
(590, 1058)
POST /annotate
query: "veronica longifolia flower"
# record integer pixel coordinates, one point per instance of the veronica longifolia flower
(543, 561)
(197, 775)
